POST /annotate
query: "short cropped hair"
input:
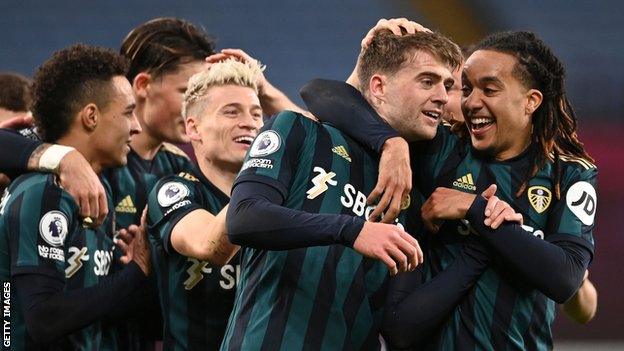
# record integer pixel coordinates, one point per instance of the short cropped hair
(70, 79)
(161, 45)
(388, 53)
(226, 72)
(15, 92)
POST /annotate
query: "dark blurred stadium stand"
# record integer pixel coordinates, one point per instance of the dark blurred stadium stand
(300, 40)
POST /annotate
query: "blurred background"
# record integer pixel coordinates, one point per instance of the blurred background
(300, 40)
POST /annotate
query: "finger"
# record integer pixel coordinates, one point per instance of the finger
(238, 53)
(102, 206)
(399, 257)
(381, 206)
(85, 207)
(515, 217)
(491, 204)
(498, 209)
(489, 192)
(376, 193)
(408, 249)
(394, 209)
(216, 58)
(389, 262)
(414, 260)
(508, 212)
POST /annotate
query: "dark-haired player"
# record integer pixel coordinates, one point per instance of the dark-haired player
(523, 138)
(59, 270)
(223, 115)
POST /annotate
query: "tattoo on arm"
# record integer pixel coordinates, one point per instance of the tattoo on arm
(33, 161)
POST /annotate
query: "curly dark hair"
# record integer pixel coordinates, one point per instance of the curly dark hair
(70, 79)
(161, 45)
(15, 92)
(388, 53)
(554, 122)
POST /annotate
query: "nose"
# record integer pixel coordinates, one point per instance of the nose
(440, 95)
(250, 122)
(135, 126)
(472, 102)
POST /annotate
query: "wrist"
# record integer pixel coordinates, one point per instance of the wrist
(394, 142)
(50, 160)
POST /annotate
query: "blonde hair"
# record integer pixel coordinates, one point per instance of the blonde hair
(226, 72)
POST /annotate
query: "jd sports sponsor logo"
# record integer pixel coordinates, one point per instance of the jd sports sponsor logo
(581, 200)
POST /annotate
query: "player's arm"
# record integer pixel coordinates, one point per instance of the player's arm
(202, 235)
(176, 217)
(76, 175)
(415, 309)
(273, 100)
(582, 307)
(557, 263)
(258, 218)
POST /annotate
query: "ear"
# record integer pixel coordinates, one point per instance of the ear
(140, 83)
(377, 88)
(192, 128)
(534, 100)
(89, 116)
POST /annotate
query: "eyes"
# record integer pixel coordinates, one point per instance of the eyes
(487, 91)
(233, 112)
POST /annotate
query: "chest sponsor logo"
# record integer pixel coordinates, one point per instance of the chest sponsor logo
(581, 200)
(126, 205)
(171, 192)
(265, 144)
(53, 227)
(5, 199)
(320, 182)
(102, 261)
(465, 182)
(229, 274)
(342, 152)
(539, 198)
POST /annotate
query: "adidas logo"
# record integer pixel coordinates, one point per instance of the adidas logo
(465, 182)
(342, 152)
(126, 206)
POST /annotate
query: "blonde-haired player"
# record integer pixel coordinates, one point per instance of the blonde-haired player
(186, 227)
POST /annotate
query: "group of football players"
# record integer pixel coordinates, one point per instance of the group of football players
(435, 200)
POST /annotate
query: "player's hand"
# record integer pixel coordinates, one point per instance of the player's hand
(4, 181)
(398, 26)
(79, 179)
(389, 244)
(498, 211)
(443, 204)
(394, 182)
(133, 242)
(241, 56)
(18, 122)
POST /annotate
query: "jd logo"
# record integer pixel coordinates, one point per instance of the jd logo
(581, 200)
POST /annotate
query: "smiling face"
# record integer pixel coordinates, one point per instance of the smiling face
(116, 125)
(161, 115)
(414, 97)
(496, 105)
(230, 117)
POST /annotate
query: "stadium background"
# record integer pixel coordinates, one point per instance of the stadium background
(301, 40)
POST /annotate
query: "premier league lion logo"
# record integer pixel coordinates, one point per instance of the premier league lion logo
(53, 228)
(171, 192)
(265, 144)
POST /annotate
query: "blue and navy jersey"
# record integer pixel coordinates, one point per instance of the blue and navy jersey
(315, 298)
(503, 311)
(41, 233)
(196, 297)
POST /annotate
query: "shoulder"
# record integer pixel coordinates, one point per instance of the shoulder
(173, 150)
(575, 169)
(173, 188)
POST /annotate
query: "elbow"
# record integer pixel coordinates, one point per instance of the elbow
(236, 225)
(564, 291)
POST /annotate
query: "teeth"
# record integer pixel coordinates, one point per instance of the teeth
(432, 114)
(244, 139)
(481, 120)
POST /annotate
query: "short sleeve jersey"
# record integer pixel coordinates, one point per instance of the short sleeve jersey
(196, 297)
(502, 309)
(316, 298)
(42, 233)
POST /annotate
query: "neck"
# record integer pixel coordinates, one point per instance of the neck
(513, 151)
(80, 142)
(220, 175)
(145, 145)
